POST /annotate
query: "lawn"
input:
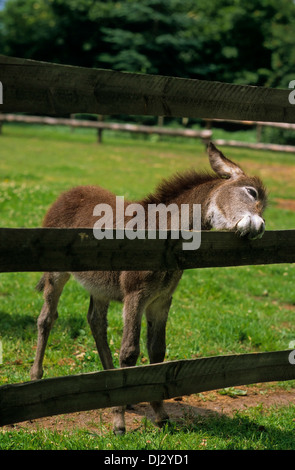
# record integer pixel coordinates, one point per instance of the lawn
(214, 311)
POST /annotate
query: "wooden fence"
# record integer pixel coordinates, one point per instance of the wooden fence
(41, 88)
(59, 395)
(204, 135)
(76, 249)
(256, 145)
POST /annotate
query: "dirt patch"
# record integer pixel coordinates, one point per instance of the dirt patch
(288, 204)
(179, 410)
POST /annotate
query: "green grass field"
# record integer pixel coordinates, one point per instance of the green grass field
(214, 311)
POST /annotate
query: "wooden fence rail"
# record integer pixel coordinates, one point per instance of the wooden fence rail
(255, 146)
(278, 125)
(204, 135)
(54, 249)
(51, 89)
(47, 397)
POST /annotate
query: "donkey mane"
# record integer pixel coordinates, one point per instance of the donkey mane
(169, 189)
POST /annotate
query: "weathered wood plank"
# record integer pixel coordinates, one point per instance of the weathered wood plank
(281, 125)
(53, 249)
(204, 134)
(43, 88)
(47, 397)
(255, 146)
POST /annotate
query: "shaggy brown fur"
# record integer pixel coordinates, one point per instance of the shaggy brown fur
(229, 199)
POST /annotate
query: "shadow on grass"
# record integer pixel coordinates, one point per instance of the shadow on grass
(24, 326)
(241, 431)
(259, 427)
(17, 325)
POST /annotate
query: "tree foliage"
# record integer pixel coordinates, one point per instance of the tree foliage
(231, 41)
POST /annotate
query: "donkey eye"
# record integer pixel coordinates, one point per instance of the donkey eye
(252, 192)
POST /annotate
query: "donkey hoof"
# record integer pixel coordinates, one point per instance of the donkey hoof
(129, 407)
(161, 423)
(36, 375)
(119, 431)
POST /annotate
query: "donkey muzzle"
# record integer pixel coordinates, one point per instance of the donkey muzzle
(251, 225)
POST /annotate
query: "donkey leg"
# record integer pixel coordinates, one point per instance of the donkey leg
(156, 315)
(52, 284)
(132, 315)
(97, 319)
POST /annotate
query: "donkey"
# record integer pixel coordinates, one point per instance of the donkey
(230, 200)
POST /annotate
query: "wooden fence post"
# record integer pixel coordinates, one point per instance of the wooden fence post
(99, 130)
(258, 132)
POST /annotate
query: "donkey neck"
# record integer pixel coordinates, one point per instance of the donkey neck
(189, 188)
(179, 186)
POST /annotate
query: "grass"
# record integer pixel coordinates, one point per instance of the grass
(214, 311)
(255, 429)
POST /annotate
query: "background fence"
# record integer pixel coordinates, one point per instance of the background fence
(205, 135)
(41, 88)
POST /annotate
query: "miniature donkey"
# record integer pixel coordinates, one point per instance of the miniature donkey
(230, 200)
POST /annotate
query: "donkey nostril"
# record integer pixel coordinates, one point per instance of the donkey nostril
(251, 225)
(257, 227)
(244, 225)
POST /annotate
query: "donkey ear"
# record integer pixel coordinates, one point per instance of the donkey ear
(222, 165)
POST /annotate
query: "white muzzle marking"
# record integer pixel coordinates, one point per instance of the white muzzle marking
(253, 225)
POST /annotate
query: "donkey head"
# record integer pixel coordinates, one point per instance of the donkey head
(238, 201)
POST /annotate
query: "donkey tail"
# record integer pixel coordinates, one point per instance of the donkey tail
(41, 284)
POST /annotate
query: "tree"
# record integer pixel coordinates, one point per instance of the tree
(227, 40)
(243, 41)
(151, 36)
